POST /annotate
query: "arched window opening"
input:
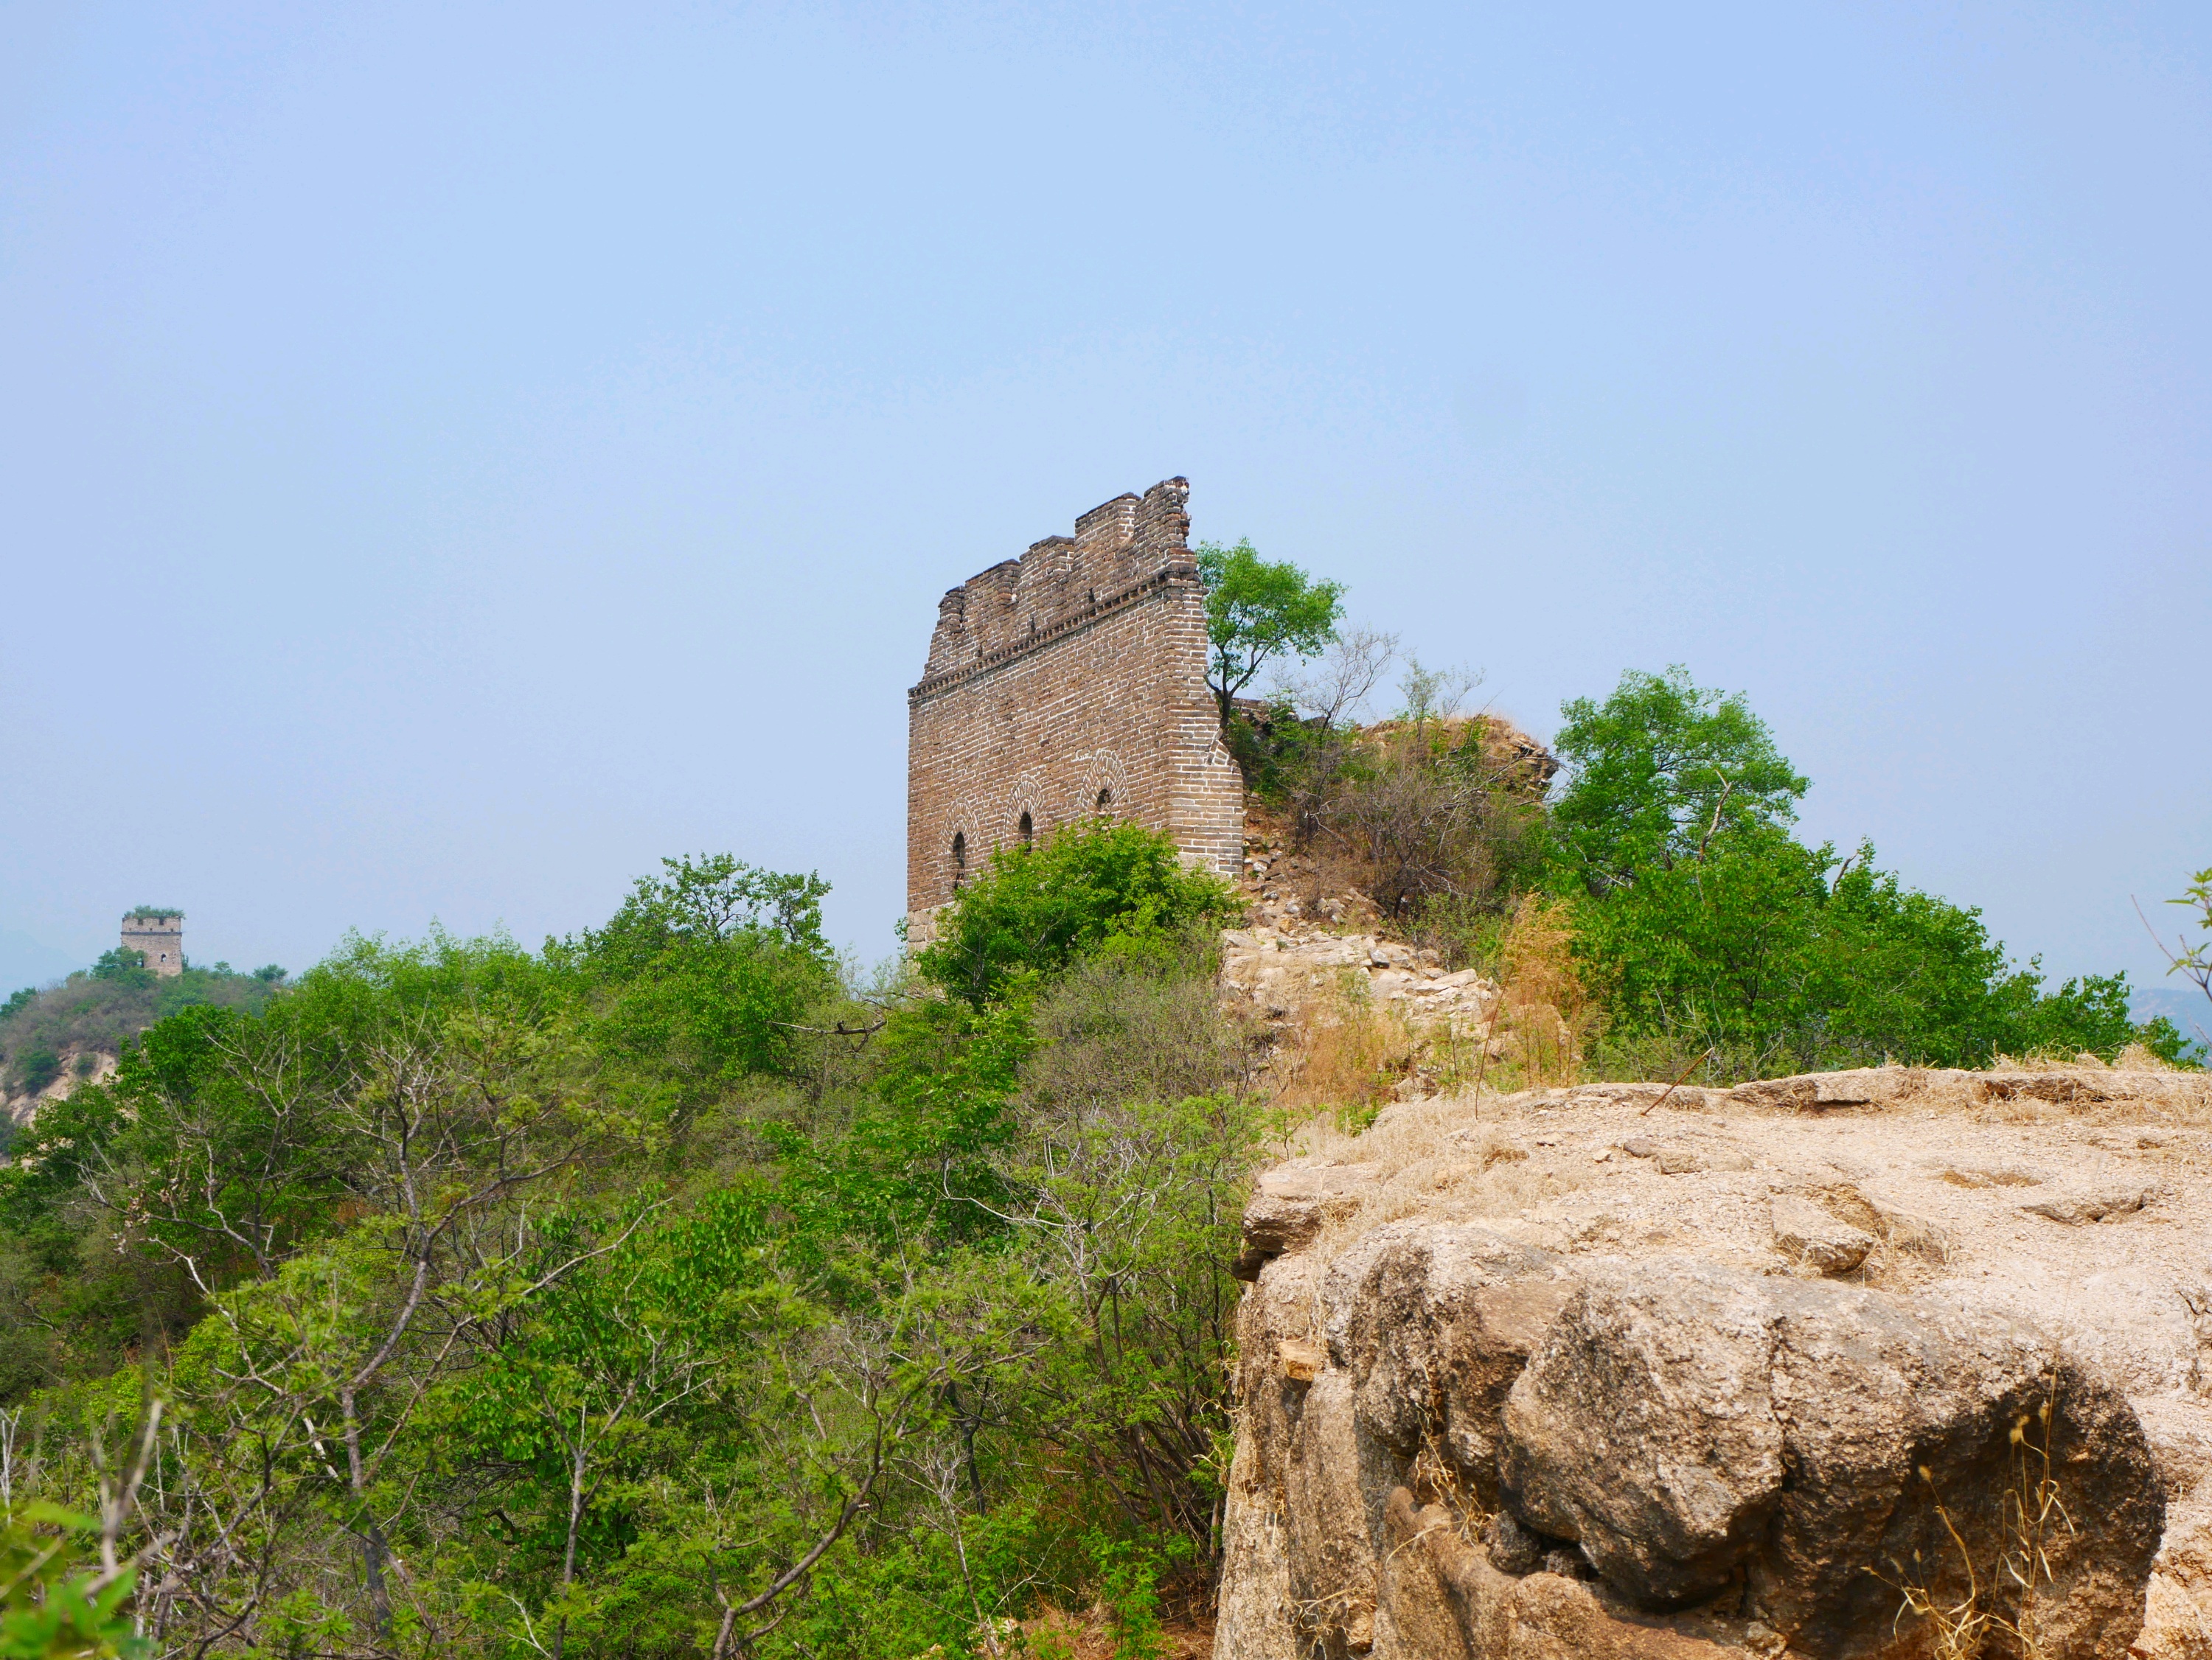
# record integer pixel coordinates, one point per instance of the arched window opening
(959, 857)
(1028, 830)
(1106, 801)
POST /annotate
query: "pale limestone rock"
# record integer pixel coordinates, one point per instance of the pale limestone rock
(1814, 1239)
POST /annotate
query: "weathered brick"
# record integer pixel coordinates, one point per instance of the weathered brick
(1068, 683)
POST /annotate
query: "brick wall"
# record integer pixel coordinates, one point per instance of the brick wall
(1068, 682)
(161, 938)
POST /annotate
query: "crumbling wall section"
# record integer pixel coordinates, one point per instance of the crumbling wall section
(1067, 684)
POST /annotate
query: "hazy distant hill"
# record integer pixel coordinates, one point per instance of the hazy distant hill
(26, 961)
(2180, 1001)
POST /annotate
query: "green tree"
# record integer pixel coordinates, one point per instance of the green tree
(1088, 888)
(1258, 611)
(703, 979)
(1659, 769)
(123, 966)
(1714, 929)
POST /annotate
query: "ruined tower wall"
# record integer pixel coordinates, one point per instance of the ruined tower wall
(160, 937)
(1067, 683)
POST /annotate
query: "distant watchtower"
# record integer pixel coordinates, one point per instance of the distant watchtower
(159, 935)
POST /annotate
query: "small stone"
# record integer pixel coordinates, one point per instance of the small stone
(1301, 1361)
(1814, 1240)
(2093, 1206)
(1678, 1161)
(1513, 1549)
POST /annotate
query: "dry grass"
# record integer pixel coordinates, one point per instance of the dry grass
(2002, 1590)
(1547, 1009)
(1345, 1055)
(2045, 1090)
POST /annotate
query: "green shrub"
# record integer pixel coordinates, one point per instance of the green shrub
(1714, 930)
(56, 1603)
(1097, 888)
(34, 1069)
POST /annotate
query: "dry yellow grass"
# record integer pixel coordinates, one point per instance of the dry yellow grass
(1344, 1056)
(1548, 1010)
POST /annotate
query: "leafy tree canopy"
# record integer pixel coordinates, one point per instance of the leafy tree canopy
(123, 967)
(1714, 927)
(1091, 887)
(1257, 611)
(1659, 769)
(705, 974)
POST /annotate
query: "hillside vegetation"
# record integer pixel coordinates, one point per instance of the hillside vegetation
(91, 1013)
(1704, 939)
(671, 1290)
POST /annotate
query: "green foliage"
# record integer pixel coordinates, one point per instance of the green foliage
(1258, 612)
(1091, 888)
(1656, 773)
(32, 1068)
(701, 979)
(123, 967)
(1712, 928)
(2169, 1043)
(56, 1601)
(917, 1161)
(609, 1288)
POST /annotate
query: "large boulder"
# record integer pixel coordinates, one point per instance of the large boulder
(1433, 1322)
(1820, 1446)
(1645, 1428)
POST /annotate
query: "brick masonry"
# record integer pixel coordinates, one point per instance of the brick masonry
(160, 937)
(1068, 683)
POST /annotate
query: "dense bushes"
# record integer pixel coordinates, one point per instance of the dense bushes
(1115, 889)
(1706, 931)
(1711, 928)
(656, 1294)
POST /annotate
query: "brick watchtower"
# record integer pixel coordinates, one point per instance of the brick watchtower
(1064, 685)
(160, 934)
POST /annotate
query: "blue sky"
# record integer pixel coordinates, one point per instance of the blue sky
(452, 456)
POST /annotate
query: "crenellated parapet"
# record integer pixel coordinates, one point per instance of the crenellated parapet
(1122, 549)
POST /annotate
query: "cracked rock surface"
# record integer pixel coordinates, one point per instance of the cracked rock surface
(1615, 1372)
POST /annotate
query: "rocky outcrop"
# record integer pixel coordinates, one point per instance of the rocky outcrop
(1695, 1429)
(1838, 1387)
(1280, 966)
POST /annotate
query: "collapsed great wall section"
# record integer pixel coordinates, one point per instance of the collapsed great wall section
(1066, 684)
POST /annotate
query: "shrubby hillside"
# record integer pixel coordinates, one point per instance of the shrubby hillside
(673, 1290)
(87, 1018)
(1704, 938)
